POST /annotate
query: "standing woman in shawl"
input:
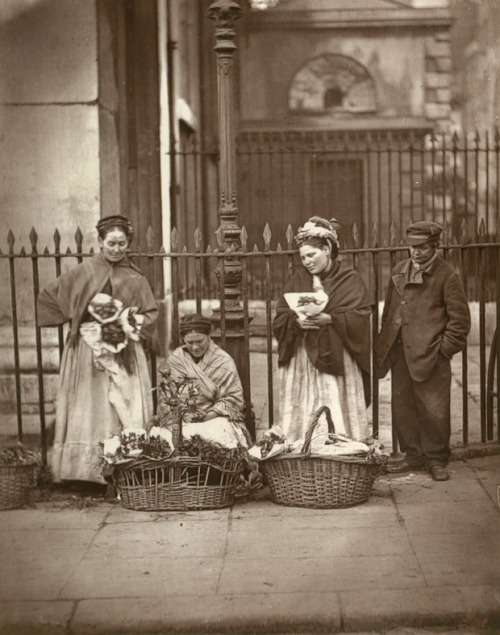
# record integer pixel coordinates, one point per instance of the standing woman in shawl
(322, 358)
(100, 392)
(220, 393)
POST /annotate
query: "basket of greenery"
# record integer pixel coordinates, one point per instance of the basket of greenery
(18, 469)
(159, 470)
(196, 475)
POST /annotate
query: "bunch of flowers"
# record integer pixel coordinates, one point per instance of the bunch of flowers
(114, 325)
(18, 455)
(180, 395)
(133, 443)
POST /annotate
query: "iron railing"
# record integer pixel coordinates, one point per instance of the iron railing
(25, 271)
(386, 178)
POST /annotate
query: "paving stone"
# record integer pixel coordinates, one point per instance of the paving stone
(258, 613)
(384, 609)
(162, 540)
(142, 577)
(35, 618)
(52, 516)
(299, 575)
(314, 543)
(454, 517)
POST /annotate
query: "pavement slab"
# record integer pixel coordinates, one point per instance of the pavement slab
(417, 555)
(234, 614)
(431, 606)
(35, 618)
(157, 577)
(300, 575)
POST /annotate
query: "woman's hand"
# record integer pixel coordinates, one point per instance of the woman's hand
(314, 322)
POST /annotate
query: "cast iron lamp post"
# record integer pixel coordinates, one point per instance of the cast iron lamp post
(230, 316)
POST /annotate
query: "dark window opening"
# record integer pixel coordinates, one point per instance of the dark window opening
(334, 97)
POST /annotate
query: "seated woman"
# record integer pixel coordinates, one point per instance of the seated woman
(322, 359)
(220, 393)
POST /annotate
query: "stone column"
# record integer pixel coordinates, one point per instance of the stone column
(229, 319)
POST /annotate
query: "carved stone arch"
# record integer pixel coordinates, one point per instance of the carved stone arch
(332, 83)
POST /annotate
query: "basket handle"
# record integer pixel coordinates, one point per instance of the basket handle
(306, 448)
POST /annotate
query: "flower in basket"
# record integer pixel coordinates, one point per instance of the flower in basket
(127, 445)
(134, 443)
(114, 325)
(17, 454)
(179, 394)
(271, 443)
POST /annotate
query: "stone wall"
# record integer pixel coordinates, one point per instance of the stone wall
(438, 78)
(49, 142)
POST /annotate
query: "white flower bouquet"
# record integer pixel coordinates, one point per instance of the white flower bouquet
(133, 443)
(307, 303)
(114, 325)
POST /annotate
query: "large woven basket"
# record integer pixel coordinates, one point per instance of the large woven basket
(302, 480)
(179, 484)
(16, 481)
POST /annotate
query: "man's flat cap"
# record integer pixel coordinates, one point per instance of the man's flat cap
(423, 231)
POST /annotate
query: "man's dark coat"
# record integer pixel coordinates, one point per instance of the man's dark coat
(433, 316)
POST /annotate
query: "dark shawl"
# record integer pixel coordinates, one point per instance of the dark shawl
(66, 299)
(350, 308)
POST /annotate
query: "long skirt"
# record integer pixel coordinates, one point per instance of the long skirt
(93, 403)
(304, 389)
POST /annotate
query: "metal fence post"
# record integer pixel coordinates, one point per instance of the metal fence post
(229, 318)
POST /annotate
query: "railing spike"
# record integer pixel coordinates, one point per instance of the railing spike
(33, 236)
(256, 249)
(197, 239)
(78, 239)
(279, 247)
(57, 240)
(243, 238)
(446, 231)
(209, 249)
(289, 236)
(355, 234)
(267, 234)
(68, 251)
(219, 237)
(464, 230)
(184, 250)
(23, 251)
(174, 239)
(162, 250)
(91, 251)
(392, 234)
(482, 230)
(375, 235)
(150, 238)
(11, 239)
(46, 251)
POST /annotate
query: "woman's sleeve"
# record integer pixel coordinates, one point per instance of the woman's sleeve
(285, 330)
(149, 309)
(51, 309)
(351, 320)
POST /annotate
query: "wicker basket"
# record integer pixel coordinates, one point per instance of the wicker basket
(302, 480)
(178, 484)
(15, 484)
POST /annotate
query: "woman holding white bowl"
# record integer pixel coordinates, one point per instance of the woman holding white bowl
(323, 358)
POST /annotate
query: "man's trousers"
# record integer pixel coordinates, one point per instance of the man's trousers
(421, 412)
